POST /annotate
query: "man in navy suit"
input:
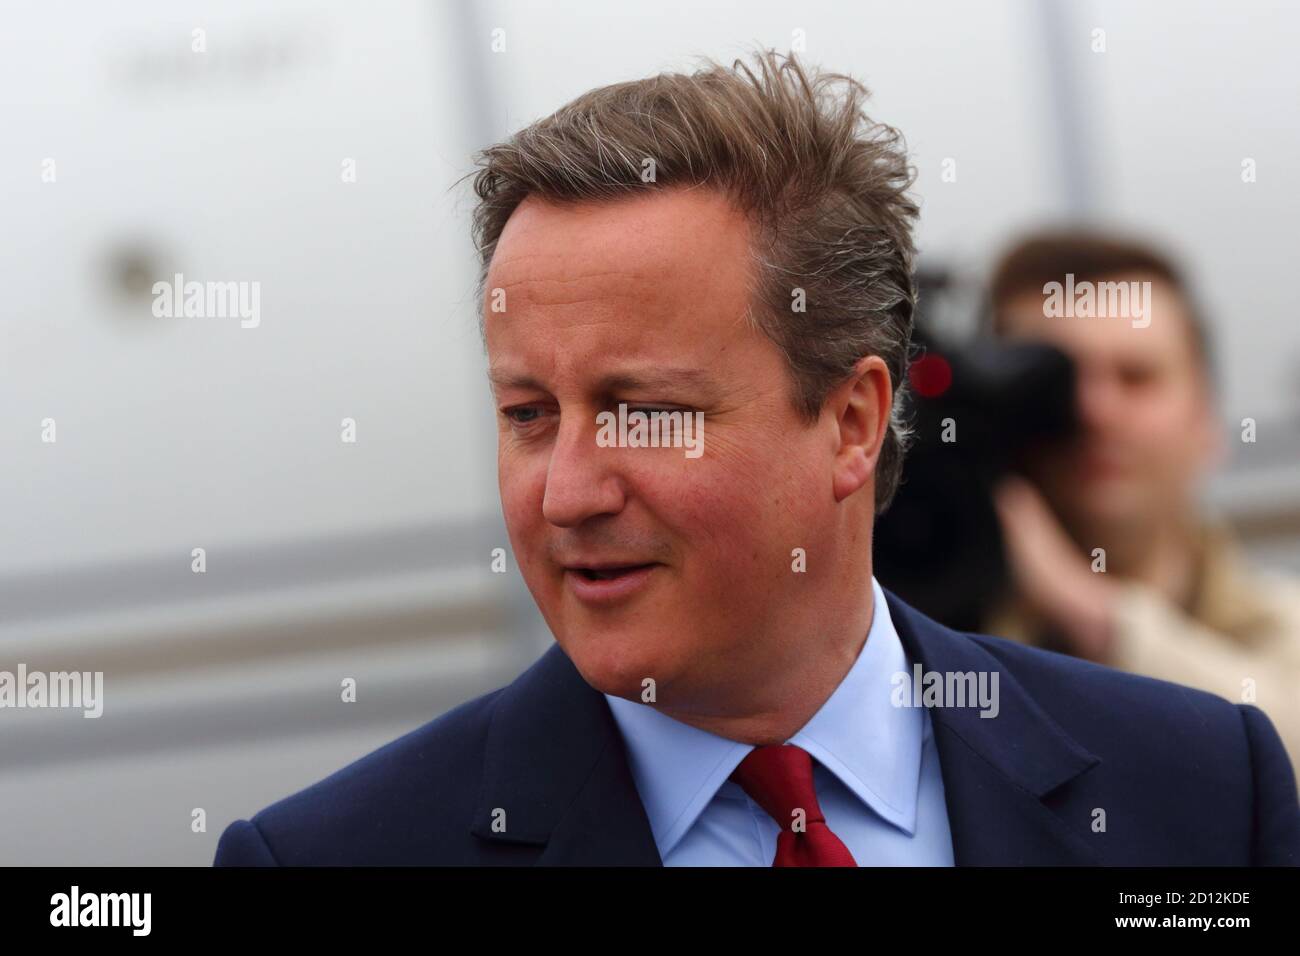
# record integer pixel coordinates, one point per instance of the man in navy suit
(697, 306)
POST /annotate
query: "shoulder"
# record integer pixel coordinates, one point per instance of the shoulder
(378, 808)
(1168, 745)
(1100, 705)
(1102, 708)
(1169, 757)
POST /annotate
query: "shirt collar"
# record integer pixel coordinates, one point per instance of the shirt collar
(871, 746)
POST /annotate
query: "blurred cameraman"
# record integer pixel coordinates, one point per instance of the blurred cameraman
(1177, 600)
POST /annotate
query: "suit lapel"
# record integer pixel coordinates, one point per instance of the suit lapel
(556, 773)
(996, 771)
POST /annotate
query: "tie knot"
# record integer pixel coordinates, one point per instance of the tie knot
(779, 778)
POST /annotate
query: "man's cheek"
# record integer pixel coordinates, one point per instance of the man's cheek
(730, 477)
(515, 504)
(521, 481)
(736, 536)
(524, 523)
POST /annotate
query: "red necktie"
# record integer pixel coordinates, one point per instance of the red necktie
(780, 780)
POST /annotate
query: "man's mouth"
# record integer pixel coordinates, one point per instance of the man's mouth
(607, 583)
(609, 573)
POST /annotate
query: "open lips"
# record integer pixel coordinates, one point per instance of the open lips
(610, 572)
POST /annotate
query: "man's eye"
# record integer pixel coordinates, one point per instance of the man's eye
(523, 415)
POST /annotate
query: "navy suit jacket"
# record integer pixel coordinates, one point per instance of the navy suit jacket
(1183, 777)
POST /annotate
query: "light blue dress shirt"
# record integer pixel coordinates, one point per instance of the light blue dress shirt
(875, 768)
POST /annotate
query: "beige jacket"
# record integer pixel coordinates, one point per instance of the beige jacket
(1240, 639)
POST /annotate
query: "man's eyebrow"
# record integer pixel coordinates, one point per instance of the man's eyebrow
(619, 381)
(656, 378)
(503, 379)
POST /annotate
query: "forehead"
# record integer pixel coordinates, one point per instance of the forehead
(1167, 338)
(664, 243)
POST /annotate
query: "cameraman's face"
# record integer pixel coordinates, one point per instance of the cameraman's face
(1147, 424)
(647, 563)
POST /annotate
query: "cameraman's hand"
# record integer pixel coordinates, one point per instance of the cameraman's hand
(1051, 575)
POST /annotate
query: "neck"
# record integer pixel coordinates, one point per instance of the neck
(798, 685)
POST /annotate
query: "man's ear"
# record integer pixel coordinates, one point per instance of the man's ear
(861, 408)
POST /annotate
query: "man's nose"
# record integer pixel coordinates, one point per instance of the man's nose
(581, 481)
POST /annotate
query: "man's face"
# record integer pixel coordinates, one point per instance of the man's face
(642, 300)
(1147, 428)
